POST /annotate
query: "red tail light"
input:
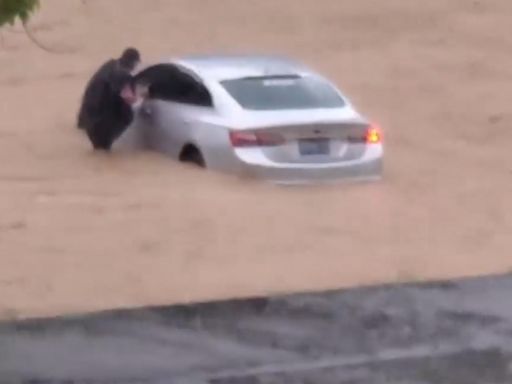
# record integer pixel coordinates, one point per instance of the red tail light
(373, 135)
(255, 139)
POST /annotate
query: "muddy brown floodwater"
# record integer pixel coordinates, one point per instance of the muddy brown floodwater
(81, 232)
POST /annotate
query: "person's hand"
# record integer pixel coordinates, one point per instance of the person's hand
(128, 95)
(142, 90)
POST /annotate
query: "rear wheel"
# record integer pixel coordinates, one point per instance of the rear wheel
(192, 155)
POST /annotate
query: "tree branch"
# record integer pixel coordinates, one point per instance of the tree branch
(33, 38)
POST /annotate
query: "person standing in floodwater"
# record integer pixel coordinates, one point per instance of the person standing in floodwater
(106, 108)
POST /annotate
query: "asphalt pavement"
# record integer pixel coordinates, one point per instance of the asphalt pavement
(443, 333)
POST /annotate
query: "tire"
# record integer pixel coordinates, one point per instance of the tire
(192, 155)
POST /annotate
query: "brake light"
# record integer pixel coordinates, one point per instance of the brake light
(373, 135)
(255, 139)
(243, 139)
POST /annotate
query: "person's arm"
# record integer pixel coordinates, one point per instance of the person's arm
(128, 94)
(120, 82)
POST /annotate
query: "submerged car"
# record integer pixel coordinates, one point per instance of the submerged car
(257, 116)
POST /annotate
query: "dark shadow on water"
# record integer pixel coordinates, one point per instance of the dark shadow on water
(443, 332)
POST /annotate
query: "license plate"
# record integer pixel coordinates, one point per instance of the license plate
(311, 147)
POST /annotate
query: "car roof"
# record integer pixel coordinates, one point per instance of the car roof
(226, 67)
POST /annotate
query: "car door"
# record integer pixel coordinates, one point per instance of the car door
(171, 109)
(165, 130)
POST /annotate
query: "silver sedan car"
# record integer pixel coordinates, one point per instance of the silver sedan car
(264, 117)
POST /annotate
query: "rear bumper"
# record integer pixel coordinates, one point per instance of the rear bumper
(367, 168)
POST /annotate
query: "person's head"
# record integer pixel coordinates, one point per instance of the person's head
(130, 59)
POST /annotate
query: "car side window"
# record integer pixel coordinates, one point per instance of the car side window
(167, 82)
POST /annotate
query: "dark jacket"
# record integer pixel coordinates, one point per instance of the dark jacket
(102, 101)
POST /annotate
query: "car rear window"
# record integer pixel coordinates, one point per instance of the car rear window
(283, 92)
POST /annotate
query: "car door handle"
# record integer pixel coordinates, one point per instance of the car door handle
(146, 111)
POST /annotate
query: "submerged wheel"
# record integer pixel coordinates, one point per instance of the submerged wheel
(192, 155)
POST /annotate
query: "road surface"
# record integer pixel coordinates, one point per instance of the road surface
(457, 332)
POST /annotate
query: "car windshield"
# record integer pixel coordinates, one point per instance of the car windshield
(283, 92)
